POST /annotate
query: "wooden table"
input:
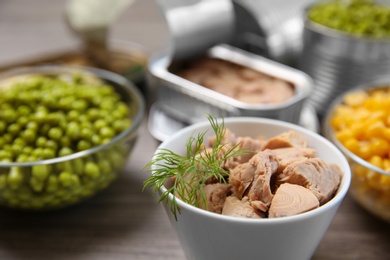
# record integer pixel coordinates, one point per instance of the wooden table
(123, 222)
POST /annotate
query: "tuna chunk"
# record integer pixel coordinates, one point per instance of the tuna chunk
(216, 194)
(255, 178)
(239, 208)
(266, 166)
(252, 146)
(286, 156)
(292, 199)
(323, 179)
(287, 139)
(241, 177)
(228, 138)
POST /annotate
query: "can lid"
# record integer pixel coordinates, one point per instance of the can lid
(196, 25)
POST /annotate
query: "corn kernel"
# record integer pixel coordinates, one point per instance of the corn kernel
(373, 179)
(352, 145)
(365, 151)
(385, 182)
(386, 164)
(356, 98)
(379, 147)
(344, 135)
(376, 160)
(386, 133)
(375, 129)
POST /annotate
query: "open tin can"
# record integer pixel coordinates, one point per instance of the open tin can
(190, 102)
(338, 61)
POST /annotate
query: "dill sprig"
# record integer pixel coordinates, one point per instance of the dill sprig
(191, 171)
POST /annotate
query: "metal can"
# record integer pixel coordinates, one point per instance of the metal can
(189, 102)
(338, 61)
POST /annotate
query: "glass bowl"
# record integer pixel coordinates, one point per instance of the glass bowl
(368, 157)
(58, 182)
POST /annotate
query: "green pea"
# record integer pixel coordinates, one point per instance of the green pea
(14, 129)
(83, 145)
(40, 172)
(91, 169)
(24, 110)
(104, 166)
(55, 133)
(41, 141)
(3, 181)
(52, 183)
(29, 135)
(68, 180)
(120, 125)
(38, 152)
(96, 140)
(106, 132)
(22, 121)
(3, 126)
(22, 158)
(80, 105)
(123, 109)
(45, 129)
(36, 184)
(65, 141)
(32, 125)
(93, 113)
(86, 133)
(48, 153)
(51, 144)
(7, 138)
(73, 115)
(20, 141)
(78, 166)
(40, 116)
(65, 179)
(99, 124)
(17, 148)
(15, 177)
(73, 130)
(6, 154)
(32, 158)
(8, 115)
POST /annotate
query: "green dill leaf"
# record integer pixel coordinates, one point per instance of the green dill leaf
(190, 172)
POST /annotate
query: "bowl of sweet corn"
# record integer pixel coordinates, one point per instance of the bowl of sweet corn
(65, 134)
(358, 123)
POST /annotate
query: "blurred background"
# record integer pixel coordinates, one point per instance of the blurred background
(30, 29)
(124, 222)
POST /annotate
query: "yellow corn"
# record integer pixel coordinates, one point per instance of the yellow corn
(362, 124)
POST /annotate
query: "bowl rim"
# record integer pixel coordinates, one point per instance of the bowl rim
(101, 74)
(334, 202)
(328, 130)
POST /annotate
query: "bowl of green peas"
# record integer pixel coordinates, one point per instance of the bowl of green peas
(65, 134)
(346, 43)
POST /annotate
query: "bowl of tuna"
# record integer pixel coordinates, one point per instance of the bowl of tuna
(244, 187)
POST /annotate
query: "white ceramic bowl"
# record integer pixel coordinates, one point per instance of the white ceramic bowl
(205, 235)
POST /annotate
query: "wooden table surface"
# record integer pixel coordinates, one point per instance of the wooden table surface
(123, 222)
